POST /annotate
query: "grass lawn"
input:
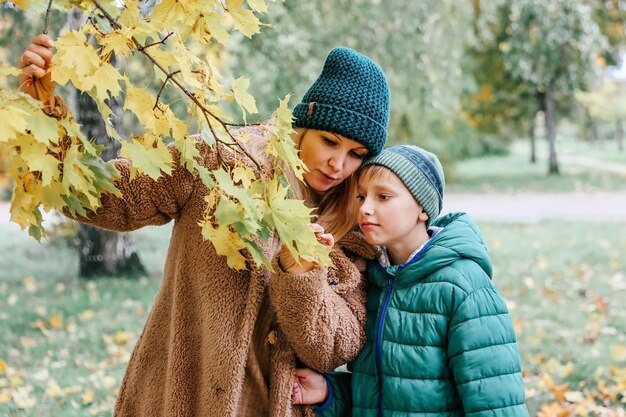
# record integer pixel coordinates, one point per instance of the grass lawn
(514, 172)
(66, 342)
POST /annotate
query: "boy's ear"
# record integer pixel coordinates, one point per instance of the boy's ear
(423, 216)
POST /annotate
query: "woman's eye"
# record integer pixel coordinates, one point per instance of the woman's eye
(329, 141)
(357, 155)
(360, 197)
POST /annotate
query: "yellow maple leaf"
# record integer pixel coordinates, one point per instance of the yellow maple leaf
(104, 79)
(168, 12)
(36, 156)
(22, 4)
(226, 243)
(13, 122)
(130, 13)
(75, 58)
(118, 41)
(12, 71)
(258, 5)
(245, 20)
(244, 99)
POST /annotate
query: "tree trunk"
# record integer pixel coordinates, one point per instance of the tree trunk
(591, 128)
(619, 135)
(553, 165)
(533, 140)
(102, 252)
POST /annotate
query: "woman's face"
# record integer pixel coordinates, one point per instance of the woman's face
(330, 158)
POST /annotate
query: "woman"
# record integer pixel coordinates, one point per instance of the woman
(220, 342)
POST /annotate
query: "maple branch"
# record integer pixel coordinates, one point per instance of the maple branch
(106, 14)
(47, 19)
(162, 41)
(217, 148)
(169, 76)
(141, 48)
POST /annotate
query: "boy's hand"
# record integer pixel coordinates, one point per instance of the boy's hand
(288, 264)
(35, 78)
(309, 387)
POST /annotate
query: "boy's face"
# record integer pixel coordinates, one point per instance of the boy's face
(388, 213)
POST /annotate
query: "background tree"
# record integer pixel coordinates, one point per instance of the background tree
(499, 106)
(552, 49)
(607, 104)
(101, 252)
(419, 45)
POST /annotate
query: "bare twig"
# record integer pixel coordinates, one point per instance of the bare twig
(162, 41)
(141, 48)
(169, 76)
(47, 19)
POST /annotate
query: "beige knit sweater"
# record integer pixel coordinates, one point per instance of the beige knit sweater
(191, 357)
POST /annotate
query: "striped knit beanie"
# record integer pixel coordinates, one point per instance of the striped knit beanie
(350, 98)
(419, 170)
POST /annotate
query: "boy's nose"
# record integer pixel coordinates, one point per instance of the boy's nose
(366, 209)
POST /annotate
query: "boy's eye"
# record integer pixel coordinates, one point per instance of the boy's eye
(384, 196)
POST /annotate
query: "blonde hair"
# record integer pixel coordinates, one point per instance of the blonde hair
(336, 209)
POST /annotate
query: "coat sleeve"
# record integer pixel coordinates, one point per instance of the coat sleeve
(484, 357)
(339, 401)
(322, 312)
(143, 201)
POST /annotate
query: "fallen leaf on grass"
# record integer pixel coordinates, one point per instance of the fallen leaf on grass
(86, 315)
(88, 397)
(554, 410)
(56, 322)
(5, 396)
(121, 338)
(30, 284)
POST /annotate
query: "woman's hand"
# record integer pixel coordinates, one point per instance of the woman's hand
(35, 78)
(309, 387)
(288, 264)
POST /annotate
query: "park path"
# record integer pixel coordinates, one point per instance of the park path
(533, 207)
(521, 207)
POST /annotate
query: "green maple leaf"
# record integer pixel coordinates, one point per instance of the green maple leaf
(151, 159)
(291, 220)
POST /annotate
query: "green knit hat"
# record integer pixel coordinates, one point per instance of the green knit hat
(350, 98)
(419, 170)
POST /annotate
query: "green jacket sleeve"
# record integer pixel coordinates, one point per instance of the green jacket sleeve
(484, 357)
(339, 401)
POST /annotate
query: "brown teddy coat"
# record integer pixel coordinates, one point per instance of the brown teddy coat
(191, 357)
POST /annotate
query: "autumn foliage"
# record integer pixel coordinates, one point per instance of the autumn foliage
(51, 173)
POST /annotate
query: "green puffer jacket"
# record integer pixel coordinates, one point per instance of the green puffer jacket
(440, 341)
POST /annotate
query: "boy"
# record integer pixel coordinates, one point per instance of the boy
(440, 341)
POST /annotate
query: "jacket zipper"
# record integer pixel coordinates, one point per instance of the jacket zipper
(379, 342)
